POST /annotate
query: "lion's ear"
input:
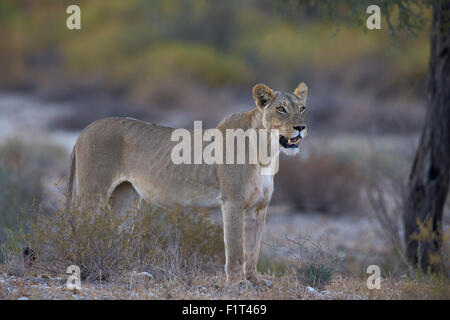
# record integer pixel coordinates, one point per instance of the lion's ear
(263, 95)
(301, 92)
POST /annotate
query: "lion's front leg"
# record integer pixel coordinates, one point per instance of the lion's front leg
(254, 226)
(233, 231)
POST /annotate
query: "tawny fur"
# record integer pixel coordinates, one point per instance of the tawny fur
(116, 160)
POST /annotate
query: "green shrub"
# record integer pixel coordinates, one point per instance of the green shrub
(315, 275)
(306, 259)
(203, 62)
(271, 265)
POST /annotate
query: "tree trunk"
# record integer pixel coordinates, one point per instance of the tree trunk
(430, 173)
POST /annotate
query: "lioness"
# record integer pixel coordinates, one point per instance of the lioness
(124, 161)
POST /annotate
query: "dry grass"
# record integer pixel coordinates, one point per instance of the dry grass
(188, 273)
(212, 286)
(166, 244)
(386, 196)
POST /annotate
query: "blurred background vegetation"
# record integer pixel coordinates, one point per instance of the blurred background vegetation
(157, 52)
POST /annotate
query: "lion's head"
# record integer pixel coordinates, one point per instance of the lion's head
(285, 112)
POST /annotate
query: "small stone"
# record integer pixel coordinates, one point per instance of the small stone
(142, 274)
(245, 284)
(264, 283)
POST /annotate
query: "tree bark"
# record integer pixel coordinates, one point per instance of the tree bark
(430, 173)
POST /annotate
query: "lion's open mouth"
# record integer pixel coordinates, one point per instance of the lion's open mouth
(290, 142)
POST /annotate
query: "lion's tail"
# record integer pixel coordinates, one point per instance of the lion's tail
(70, 183)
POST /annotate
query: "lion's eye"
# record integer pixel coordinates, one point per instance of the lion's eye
(281, 109)
(302, 109)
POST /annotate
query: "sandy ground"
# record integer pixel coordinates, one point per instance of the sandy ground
(350, 233)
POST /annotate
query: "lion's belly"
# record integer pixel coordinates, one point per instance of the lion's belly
(148, 165)
(194, 186)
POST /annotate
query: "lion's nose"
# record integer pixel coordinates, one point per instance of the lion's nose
(300, 128)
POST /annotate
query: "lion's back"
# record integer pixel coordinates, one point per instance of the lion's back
(125, 149)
